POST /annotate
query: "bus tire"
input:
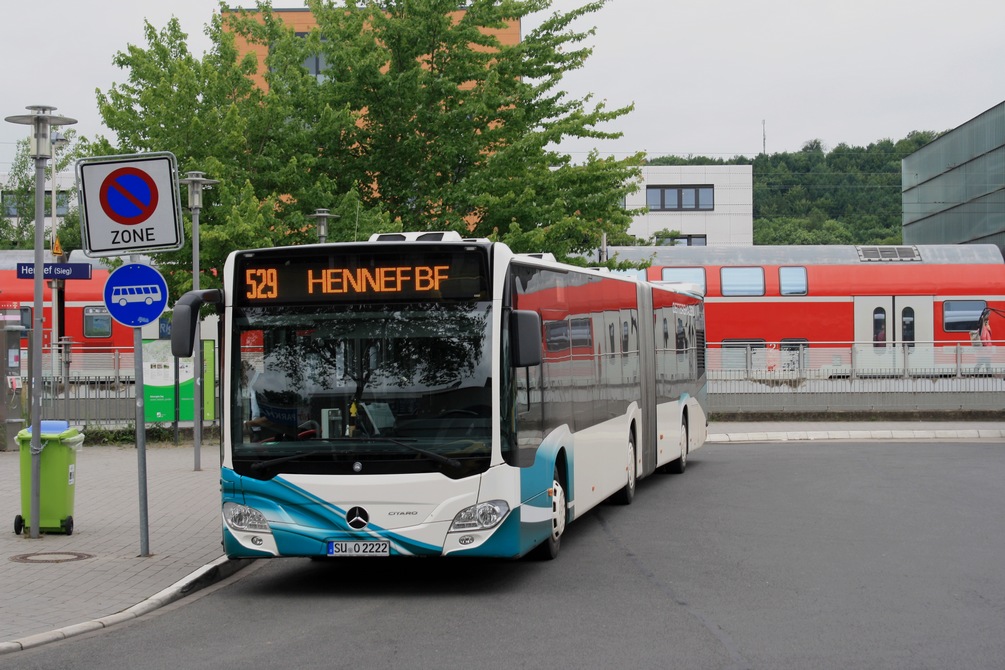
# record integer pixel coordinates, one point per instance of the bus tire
(678, 465)
(626, 495)
(548, 550)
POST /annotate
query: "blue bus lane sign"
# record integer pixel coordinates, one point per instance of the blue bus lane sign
(136, 295)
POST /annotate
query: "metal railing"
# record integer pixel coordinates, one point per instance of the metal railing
(855, 377)
(750, 379)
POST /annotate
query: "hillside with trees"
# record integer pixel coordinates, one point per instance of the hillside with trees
(848, 195)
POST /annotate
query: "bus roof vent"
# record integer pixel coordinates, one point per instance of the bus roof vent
(888, 253)
(442, 236)
(543, 255)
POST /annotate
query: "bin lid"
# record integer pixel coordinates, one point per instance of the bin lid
(49, 428)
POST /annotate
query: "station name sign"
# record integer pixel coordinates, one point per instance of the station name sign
(55, 270)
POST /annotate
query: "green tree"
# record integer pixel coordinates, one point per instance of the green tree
(848, 195)
(421, 120)
(18, 232)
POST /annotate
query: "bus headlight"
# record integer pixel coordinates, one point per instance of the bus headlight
(242, 517)
(482, 516)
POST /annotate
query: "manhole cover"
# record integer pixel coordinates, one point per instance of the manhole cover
(51, 557)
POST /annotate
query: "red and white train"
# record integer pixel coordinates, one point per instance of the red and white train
(100, 346)
(875, 299)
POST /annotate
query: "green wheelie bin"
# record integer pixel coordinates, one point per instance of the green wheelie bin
(57, 477)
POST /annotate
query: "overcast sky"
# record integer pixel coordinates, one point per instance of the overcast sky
(714, 77)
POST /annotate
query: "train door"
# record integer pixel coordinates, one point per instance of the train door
(889, 327)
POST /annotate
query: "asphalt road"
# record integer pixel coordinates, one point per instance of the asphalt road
(763, 555)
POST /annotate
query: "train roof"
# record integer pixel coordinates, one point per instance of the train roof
(952, 254)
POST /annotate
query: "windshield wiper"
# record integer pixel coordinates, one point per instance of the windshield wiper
(258, 466)
(439, 458)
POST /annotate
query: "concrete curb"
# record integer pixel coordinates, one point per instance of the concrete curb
(809, 436)
(205, 576)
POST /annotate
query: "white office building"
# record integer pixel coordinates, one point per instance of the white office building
(707, 204)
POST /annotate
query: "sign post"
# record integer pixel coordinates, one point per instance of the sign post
(131, 204)
(136, 295)
(41, 122)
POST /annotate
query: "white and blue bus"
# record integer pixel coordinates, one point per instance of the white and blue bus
(429, 395)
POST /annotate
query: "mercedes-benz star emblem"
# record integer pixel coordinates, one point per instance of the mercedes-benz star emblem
(357, 518)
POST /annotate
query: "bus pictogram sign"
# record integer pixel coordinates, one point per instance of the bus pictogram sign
(130, 204)
(128, 196)
(135, 295)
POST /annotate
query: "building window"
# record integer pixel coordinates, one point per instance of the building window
(792, 281)
(742, 281)
(9, 204)
(62, 202)
(684, 241)
(680, 198)
(315, 64)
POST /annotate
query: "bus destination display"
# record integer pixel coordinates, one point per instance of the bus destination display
(351, 278)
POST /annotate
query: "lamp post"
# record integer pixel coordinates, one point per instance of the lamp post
(41, 121)
(322, 215)
(58, 142)
(196, 182)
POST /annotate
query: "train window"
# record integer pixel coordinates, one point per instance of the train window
(907, 326)
(961, 315)
(556, 335)
(742, 281)
(685, 275)
(97, 322)
(879, 327)
(742, 354)
(26, 318)
(795, 353)
(792, 281)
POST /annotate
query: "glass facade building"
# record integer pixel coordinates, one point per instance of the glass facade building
(953, 189)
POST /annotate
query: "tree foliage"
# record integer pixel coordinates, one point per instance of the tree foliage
(421, 119)
(849, 195)
(18, 231)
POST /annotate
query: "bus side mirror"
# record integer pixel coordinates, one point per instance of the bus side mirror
(525, 338)
(185, 316)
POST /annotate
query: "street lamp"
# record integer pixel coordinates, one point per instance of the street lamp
(41, 121)
(196, 182)
(58, 142)
(322, 215)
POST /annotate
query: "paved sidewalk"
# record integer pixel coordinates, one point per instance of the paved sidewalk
(57, 586)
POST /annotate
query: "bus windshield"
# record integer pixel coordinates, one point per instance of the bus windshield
(386, 388)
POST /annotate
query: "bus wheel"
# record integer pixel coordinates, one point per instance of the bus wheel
(678, 466)
(626, 495)
(548, 550)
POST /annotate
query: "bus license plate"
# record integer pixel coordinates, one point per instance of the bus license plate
(361, 548)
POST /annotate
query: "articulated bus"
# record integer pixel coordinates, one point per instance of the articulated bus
(798, 298)
(428, 395)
